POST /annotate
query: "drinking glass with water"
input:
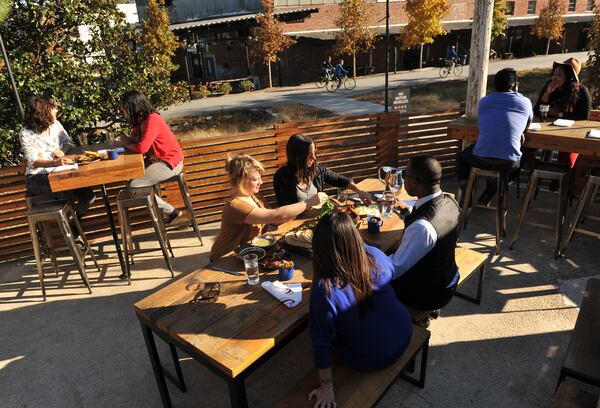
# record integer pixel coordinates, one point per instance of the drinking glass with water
(251, 266)
(544, 112)
(388, 198)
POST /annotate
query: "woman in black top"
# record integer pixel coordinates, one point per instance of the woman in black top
(302, 177)
(567, 98)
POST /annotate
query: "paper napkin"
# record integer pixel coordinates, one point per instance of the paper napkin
(534, 126)
(593, 133)
(290, 294)
(62, 168)
(563, 122)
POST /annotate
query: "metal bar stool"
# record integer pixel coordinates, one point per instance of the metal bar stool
(588, 195)
(185, 194)
(43, 209)
(502, 202)
(141, 197)
(550, 171)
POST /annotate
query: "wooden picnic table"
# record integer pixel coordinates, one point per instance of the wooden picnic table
(549, 137)
(246, 325)
(126, 167)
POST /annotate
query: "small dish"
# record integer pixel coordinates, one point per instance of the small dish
(264, 241)
(260, 253)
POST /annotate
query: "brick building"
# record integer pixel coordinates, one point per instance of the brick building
(216, 33)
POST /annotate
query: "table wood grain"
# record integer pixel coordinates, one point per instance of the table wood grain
(126, 167)
(246, 321)
(550, 137)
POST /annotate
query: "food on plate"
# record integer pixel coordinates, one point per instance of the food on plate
(301, 238)
(264, 241)
(324, 198)
(370, 211)
(91, 153)
(274, 258)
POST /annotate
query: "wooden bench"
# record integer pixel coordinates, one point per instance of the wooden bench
(468, 262)
(571, 396)
(582, 361)
(357, 389)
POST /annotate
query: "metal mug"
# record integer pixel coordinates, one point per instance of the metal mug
(374, 224)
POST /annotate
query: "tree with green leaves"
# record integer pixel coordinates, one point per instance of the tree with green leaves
(86, 55)
(499, 19)
(424, 23)
(269, 39)
(592, 79)
(550, 24)
(355, 34)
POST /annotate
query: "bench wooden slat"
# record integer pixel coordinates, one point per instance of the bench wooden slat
(353, 388)
(583, 355)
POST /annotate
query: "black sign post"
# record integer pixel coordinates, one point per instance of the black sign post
(400, 100)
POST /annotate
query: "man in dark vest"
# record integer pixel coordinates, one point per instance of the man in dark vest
(426, 274)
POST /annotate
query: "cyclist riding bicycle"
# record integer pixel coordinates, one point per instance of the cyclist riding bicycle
(451, 57)
(340, 72)
(327, 66)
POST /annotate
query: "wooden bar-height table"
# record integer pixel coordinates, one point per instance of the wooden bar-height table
(549, 137)
(126, 167)
(246, 325)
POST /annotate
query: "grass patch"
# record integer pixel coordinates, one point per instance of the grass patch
(448, 95)
(228, 122)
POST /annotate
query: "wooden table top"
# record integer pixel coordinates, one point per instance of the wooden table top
(566, 139)
(246, 321)
(126, 167)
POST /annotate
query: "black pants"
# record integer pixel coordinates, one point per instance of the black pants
(421, 298)
(467, 159)
(39, 185)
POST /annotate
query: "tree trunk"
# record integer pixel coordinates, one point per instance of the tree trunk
(270, 79)
(421, 56)
(480, 54)
(548, 46)
(353, 64)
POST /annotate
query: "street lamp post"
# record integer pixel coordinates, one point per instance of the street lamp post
(387, 52)
(11, 79)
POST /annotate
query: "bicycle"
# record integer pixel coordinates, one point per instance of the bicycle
(347, 82)
(457, 68)
(325, 79)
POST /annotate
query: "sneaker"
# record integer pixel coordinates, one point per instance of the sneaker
(173, 216)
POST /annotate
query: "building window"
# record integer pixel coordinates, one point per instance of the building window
(511, 8)
(531, 6)
(572, 5)
(590, 5)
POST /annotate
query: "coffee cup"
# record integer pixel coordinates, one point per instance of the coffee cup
(113, 154)
(285, 274)
(374, 224)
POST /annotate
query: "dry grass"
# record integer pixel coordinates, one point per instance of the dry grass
(448, 95)
(243, 120)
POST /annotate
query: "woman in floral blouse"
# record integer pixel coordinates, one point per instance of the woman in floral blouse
(44, 142)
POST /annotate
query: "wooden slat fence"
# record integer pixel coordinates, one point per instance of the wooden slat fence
(354, 146)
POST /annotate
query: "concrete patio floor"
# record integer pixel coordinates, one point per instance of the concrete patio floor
(81, 350)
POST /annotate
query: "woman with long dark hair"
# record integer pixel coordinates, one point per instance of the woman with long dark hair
(151, 136)
(353, 308)
(302, 176)
(45, 142)
(567, 98)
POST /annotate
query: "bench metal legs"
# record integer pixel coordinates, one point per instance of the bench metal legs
(423, 369)
(476, 299)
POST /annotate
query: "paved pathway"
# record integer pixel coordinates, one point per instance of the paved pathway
(339, 102)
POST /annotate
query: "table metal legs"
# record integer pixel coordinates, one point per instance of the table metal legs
(156, 366)
(237, 392)
(124, 270)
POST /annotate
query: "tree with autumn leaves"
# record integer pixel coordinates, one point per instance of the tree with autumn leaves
(424, 23)
(354, 35)
(269, 39)
(592, 79)
(499, 19)
(550, 24)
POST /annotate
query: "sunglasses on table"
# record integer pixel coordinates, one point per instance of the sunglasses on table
(208, 293)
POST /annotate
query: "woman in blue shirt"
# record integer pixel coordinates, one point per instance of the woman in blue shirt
(353, 308)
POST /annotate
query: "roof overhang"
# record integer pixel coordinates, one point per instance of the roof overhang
(236, 19)
(329, 34)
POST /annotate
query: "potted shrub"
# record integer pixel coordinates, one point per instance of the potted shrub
(247, 86)
(225, 88)
(201, 92)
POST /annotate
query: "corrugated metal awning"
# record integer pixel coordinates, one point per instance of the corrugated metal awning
(234, 19)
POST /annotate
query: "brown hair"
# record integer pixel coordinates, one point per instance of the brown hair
(570, 91)
(38, 113)
(297, 155)
(340, 258)
(239, 166)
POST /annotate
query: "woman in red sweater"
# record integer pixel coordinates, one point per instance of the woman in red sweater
(151, 136)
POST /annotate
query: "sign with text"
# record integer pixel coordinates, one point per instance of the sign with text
(400, 99)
